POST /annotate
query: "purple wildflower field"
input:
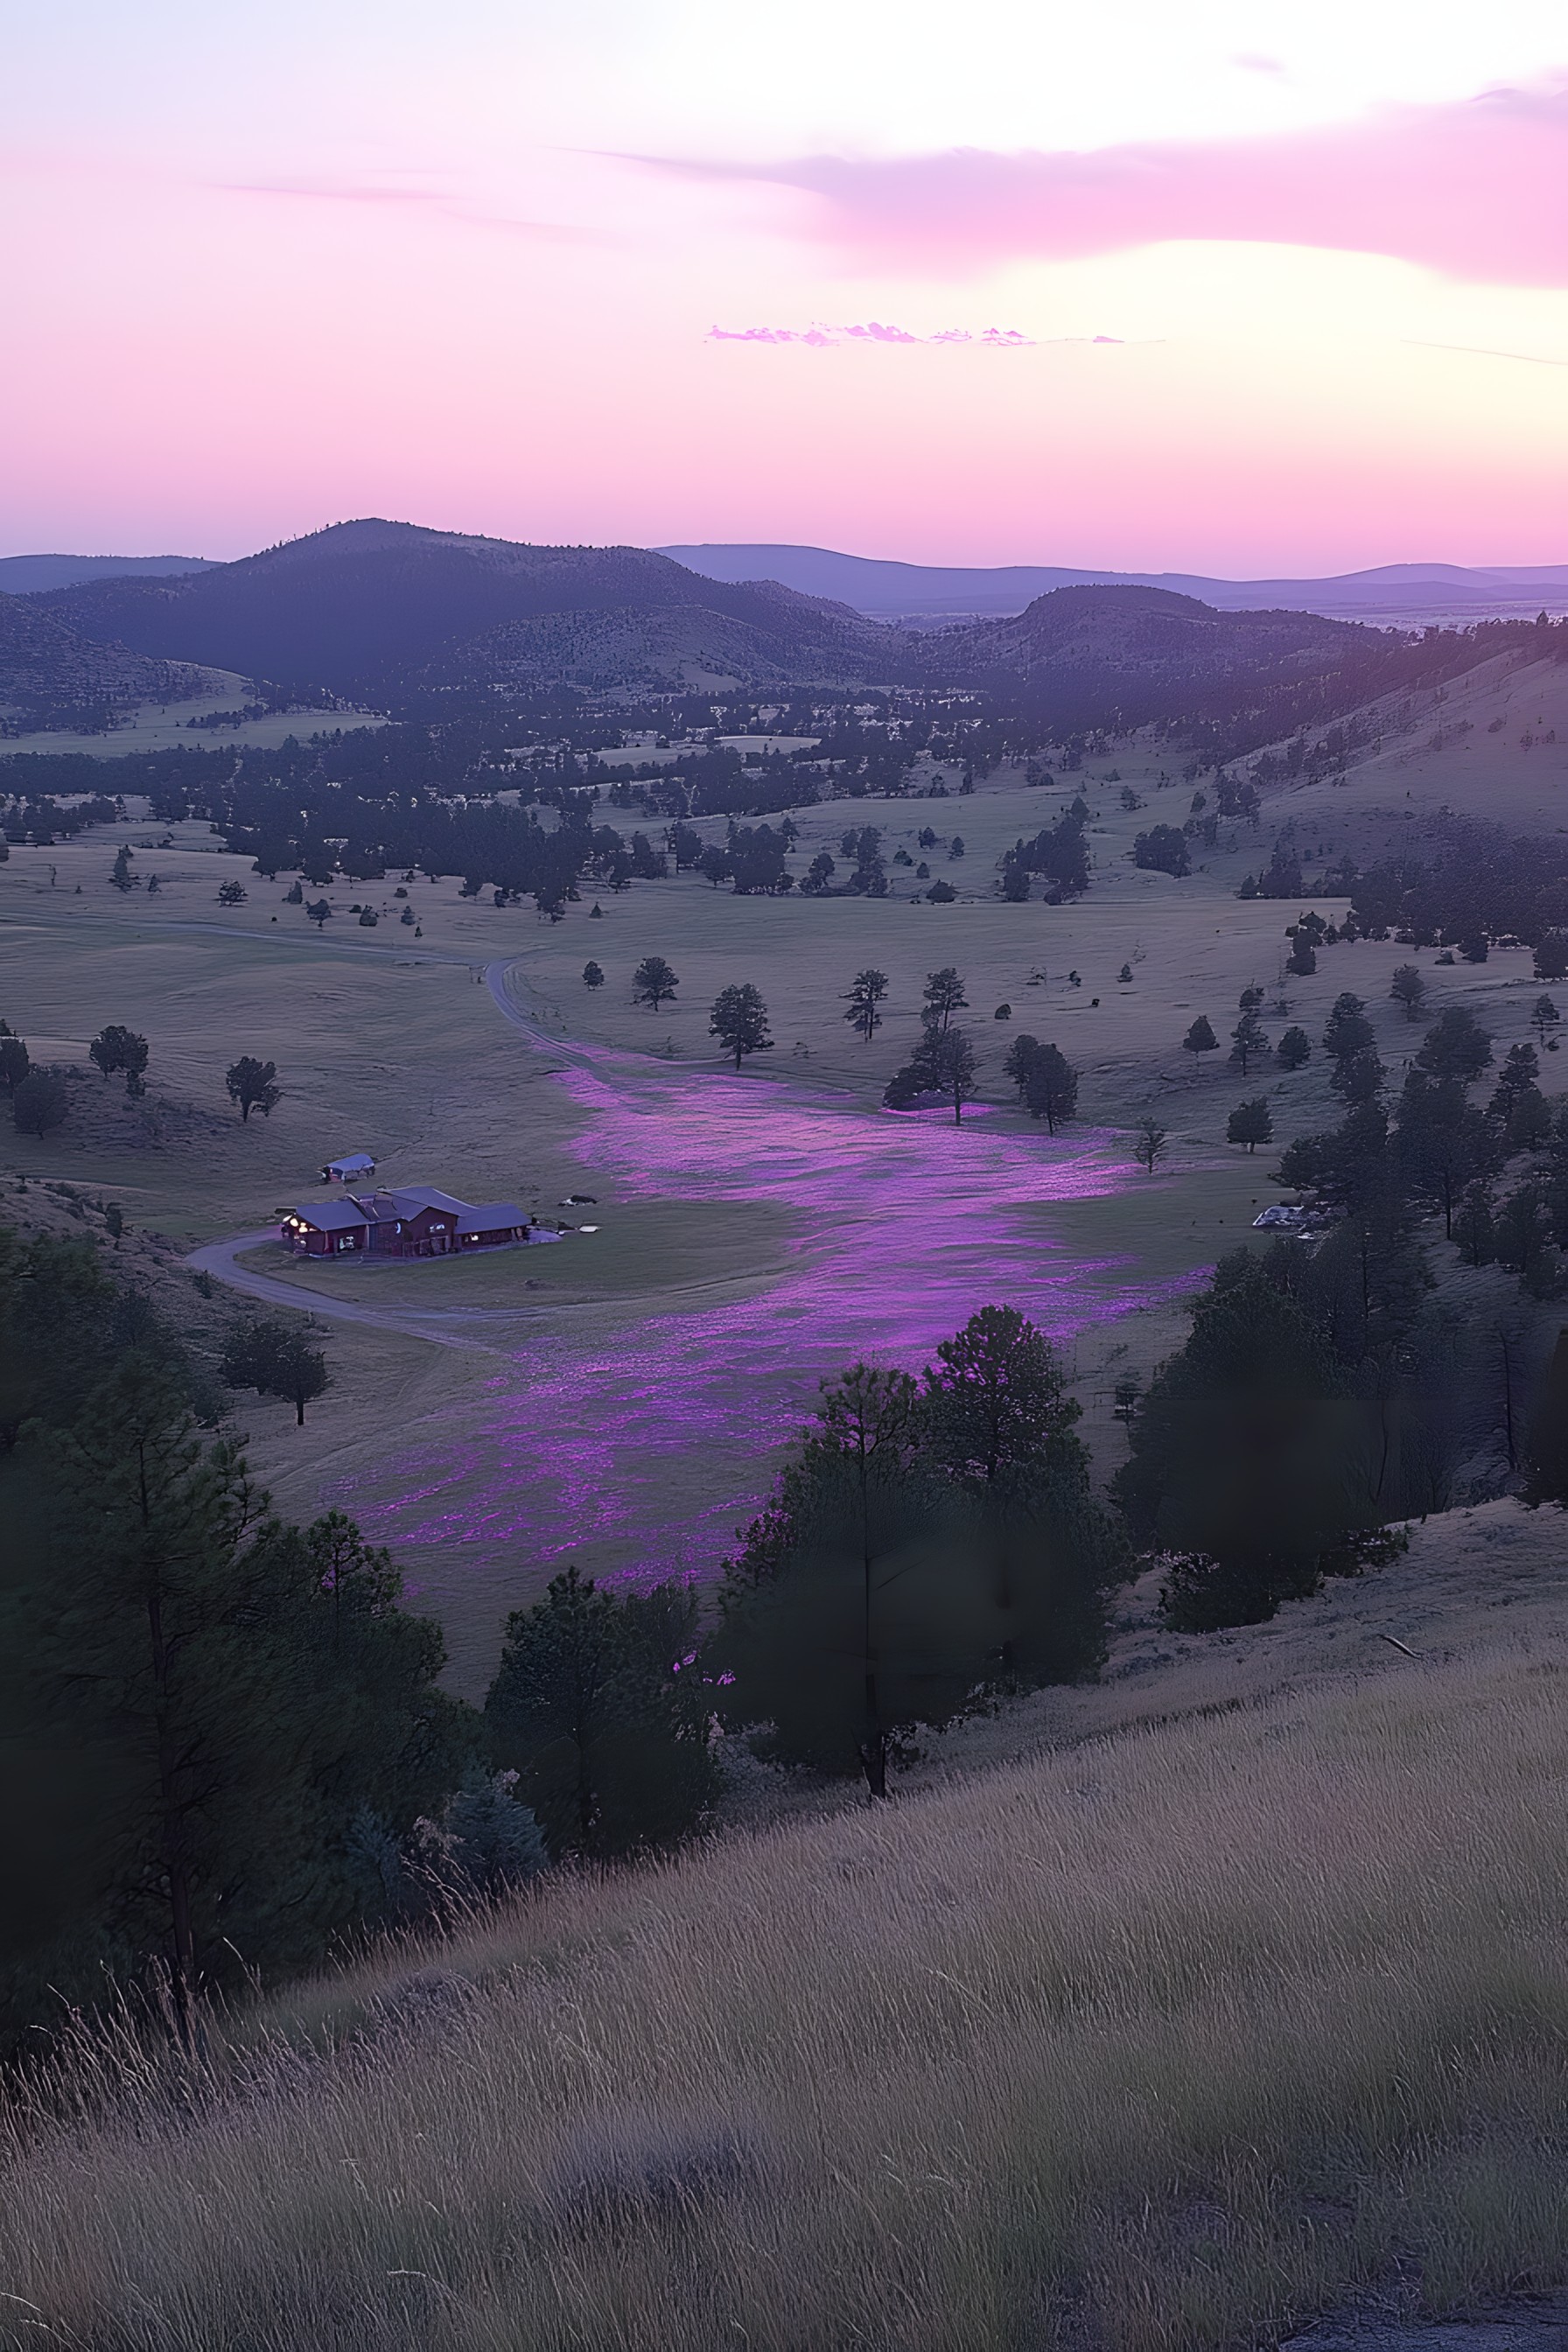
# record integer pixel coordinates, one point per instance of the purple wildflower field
(904, 1224)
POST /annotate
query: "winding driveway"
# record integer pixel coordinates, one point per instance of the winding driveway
(443, 1325)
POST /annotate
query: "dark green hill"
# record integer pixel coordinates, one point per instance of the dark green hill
(365, 608)
(1089, 658)
(1144, 633)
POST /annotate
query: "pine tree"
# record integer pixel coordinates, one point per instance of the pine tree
(237, 1691)
(740, 1022)
(1347, 1031)
(949, 1062)
(1200, 1039)
(1251, 1123)
(1016, 1063)
(598, 1705)
(1149, 1144)
(865, 993)
(893, 1583)
(1050, 1087)
(943, 996)
(1248, 1456)
(152, 1647)
(652, 982)
(1249, 1044)
(1456, 1046)
(997, 1415)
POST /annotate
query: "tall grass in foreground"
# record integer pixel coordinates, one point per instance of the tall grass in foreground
(1154, 2043)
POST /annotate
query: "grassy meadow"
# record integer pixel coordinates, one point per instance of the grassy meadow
(391, 1043)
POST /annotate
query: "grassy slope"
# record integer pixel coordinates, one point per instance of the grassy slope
(1227, 1991)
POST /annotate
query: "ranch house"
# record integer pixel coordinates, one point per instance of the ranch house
(415, 1221)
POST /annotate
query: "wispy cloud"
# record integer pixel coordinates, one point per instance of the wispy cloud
(441, 202)
(824, 338)
(1485, 352)
(328, 192)
(1474, 189)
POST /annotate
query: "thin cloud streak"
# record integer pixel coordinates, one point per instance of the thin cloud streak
(824, 337)
(323, 193)
(1474, 190)
(436, 201)
(1485, 352)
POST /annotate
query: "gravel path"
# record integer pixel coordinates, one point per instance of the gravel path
(448, 1327)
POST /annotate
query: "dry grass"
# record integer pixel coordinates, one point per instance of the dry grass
(1155, 2040)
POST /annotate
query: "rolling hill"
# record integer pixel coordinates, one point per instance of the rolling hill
(367, 608)
(1150, 634)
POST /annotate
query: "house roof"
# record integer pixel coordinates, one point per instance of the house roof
(331, 1216)
(490, 1217)
(429, 1196)
(401, 1207)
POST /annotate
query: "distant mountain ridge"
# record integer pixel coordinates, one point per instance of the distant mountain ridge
(1390, 594)
(31, 575)
(392, 614)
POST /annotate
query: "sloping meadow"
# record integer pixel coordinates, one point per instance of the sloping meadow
(1159, 2041)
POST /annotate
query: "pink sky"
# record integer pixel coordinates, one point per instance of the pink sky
(270, 272)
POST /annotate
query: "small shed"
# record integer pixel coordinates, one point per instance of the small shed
(348, 1170)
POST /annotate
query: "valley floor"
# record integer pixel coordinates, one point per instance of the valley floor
(753, 1233)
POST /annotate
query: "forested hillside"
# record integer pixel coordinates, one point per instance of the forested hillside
(52, 675)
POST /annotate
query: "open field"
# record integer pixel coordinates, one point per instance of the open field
(1234, 1994)
(161, 726)
(755, 1233)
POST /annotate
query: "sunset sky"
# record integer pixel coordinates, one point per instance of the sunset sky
(1287, 284)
